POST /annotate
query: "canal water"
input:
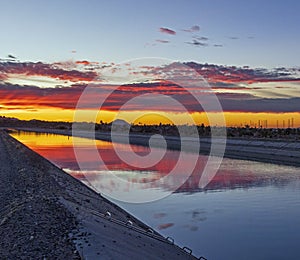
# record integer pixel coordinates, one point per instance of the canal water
(250, 210)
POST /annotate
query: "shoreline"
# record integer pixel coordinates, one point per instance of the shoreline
(46, 213)
(282, 152)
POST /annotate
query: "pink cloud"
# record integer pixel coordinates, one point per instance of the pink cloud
(220, 77)
(167, 31)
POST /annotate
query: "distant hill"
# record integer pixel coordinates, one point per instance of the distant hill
(119, 122)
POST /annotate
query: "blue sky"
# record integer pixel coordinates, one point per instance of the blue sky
(255, 33)
(63, 46)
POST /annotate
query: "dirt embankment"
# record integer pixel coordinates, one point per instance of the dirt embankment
(47, 214)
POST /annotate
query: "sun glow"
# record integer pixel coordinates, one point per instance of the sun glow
(235, 119)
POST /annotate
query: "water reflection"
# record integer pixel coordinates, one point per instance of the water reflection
(254, 215)
(231, 175)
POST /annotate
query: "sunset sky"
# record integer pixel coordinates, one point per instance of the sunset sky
(247, 51)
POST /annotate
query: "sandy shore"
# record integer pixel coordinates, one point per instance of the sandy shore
(263, 150)
(47, 214)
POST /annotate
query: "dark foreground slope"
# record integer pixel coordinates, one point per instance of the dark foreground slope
(47, 214)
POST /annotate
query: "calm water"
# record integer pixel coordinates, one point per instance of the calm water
(250, 210)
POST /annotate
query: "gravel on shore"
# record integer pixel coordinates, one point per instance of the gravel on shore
(47, 214)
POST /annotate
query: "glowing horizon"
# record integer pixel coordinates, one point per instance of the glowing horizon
(247, 96)
(233, 119)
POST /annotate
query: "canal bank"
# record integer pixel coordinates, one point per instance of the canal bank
(46, 213)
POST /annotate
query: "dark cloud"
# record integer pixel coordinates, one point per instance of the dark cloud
(197, 43)
(195, 28)
(233, 38)
(11, 57)
(232, 74)
(275, 105)
(167, 31)
(201, 38)
(218, 45)
(47, 70)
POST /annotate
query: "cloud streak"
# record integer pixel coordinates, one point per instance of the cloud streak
(194, 28)
(29, 97)
(46, 70)
(197, 43)
(239, 89)
(162, 41)
(200, 38)
(167, 31)
(232, 74)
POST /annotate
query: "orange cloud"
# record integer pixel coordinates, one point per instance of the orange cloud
(28, 96)
(67, 98)
(225, 82)
(83, 62)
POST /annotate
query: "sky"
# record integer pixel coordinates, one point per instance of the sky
(56, 48)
